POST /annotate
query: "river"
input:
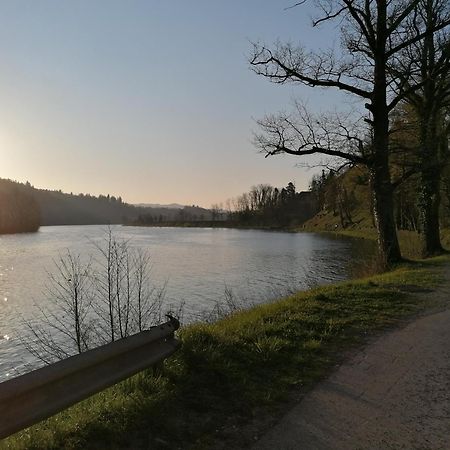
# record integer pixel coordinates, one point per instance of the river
(197, 265)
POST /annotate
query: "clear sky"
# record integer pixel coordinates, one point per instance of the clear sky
(152, 100)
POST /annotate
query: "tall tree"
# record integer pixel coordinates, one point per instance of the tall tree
(427, 66)
(373, 33)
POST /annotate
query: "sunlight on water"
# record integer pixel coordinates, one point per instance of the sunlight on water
(198, 265)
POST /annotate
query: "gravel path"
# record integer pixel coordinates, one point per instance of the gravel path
(394, 394)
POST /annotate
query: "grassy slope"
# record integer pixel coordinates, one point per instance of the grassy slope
(235, 371)
(409, 240)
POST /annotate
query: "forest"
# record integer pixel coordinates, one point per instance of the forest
(263, 206)
(24, 208)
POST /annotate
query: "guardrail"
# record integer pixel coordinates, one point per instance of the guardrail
(39, 394)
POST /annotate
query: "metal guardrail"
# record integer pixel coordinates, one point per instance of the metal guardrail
(39, 394)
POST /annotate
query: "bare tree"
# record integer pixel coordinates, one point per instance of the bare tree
(126, 300)
(105, 285)
(423, 69)
(147, 304)
(66, 327)
(100, 301)
(373, 33)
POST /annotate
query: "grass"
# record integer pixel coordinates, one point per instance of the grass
(230, 377)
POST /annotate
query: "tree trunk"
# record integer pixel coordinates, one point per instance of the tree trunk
(429, 194)
(383, 201)
(428, 112)
(429, 216)
(383, 213)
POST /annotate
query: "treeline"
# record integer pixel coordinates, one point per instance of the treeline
(262, 206)
(171, 216)
(265, 205)
(19, 210)
(59, 208)
(25, 208)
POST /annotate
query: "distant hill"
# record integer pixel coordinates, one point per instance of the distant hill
(157, 205)
(59, 208)
(24, 207)
(167, 215)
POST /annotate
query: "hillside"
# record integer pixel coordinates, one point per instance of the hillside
(58, 208)
(345, 207)
(24, 207)
(344, 203)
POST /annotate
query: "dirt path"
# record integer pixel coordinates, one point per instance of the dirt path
(394, 394)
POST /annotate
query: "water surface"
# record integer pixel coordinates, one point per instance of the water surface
(198, 265)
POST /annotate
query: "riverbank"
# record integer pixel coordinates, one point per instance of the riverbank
(409, 240)
(233, 378)
(211, 224)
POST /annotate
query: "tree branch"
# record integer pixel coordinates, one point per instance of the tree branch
(282, 72)
(314, 150)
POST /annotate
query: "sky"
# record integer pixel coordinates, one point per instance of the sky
(150, 100)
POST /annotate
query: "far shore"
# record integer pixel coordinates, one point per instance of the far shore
(212, 224)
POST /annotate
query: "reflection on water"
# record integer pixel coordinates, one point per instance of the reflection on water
(197, 264)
